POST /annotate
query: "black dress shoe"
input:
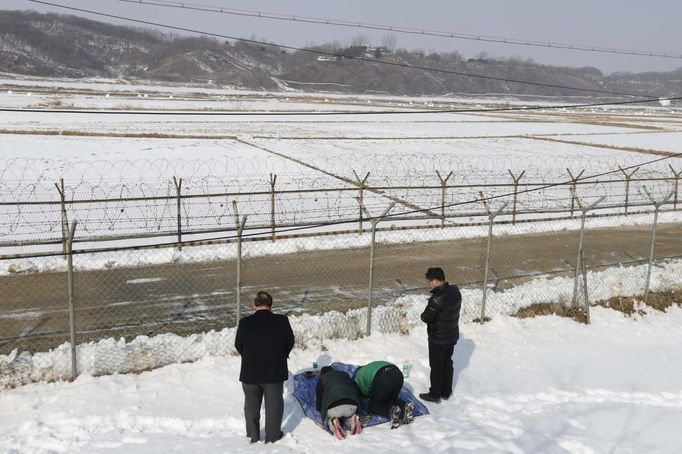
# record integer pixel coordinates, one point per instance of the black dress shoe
(281, 435)
(429, 398)
(446, 397)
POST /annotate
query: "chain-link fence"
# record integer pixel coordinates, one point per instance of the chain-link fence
(86, 307)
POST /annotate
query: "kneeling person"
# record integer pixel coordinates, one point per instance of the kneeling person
(381, 382)
(337, 400)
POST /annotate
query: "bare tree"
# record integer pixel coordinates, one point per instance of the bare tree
(360, 40)
(389, 42)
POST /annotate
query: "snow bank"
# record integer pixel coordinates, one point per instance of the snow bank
(110, 356)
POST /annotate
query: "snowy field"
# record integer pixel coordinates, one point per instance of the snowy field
(545, 385)
(111, 156)
(122, 156)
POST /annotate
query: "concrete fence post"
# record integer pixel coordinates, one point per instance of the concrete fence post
(64, 217)
(580, 260)
(573, 187)
(676, 184)
(628, 177)
(443, 187)
(178, 191)
(273, 225)
(361, 197)
(657, 207)
(491, 220)
(585, 292)
(374, 221)
(239, 225)
(515, 179)
(72, 310)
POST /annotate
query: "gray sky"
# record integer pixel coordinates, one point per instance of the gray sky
(654, 25)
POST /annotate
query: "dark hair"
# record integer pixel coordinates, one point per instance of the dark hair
(263, 299)
(435, 273)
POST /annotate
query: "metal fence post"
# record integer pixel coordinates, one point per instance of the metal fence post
(515, 179)
(443, 187)
(72, 312)
(580, 259)
(374, 222)
(64, 218)
(361, 197)
(240, 228)
(677, 184)
(628, 176)
(585, 292)
(273, 180)
(491, 219)
(573, 187)
(657, 206)
(178, 192)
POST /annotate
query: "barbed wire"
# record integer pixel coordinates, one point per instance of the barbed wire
(104, 209)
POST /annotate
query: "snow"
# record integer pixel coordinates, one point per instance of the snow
(521, 385)
(108, 356)
(668, 141)
(106, 167)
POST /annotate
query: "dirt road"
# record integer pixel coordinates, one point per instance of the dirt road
(193, 297)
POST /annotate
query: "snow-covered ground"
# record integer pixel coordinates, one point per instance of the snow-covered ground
(545, 385)
(669, 142)
(537, 385)
(304, 153)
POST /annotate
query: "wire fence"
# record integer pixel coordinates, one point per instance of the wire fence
(128, 203)
(73, 303)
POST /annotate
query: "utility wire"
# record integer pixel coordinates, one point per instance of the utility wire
(307, 114)
(330, 54)
(267, 233)
(399, 29)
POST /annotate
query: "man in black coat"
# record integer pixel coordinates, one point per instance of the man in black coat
(442, 325)
(264, 341)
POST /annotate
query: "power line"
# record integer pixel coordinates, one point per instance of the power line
(342, 113)
(399, 29)
(330, 54)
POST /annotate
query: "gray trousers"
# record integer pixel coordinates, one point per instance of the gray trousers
(274, 410)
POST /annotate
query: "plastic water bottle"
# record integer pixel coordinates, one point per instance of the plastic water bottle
(315, 367)
(406, 368)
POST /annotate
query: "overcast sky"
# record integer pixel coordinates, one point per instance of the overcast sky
(653, 25)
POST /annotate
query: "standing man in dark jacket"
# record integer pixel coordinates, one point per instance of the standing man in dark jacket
(442, 325)
(264, 341)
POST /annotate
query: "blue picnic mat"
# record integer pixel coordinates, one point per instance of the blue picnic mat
(304, 392)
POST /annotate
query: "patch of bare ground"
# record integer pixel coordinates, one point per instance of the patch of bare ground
(562, 310)
(125, 135)
(628, 305)
(625, 304)
(660, 301)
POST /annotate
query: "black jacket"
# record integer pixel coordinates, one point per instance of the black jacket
(335, 388)
(442, 315)
(264, 340)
